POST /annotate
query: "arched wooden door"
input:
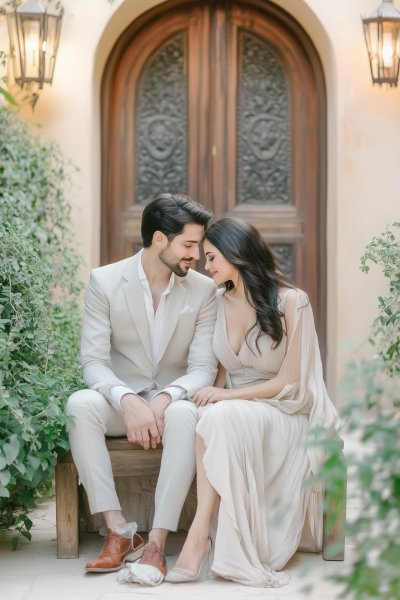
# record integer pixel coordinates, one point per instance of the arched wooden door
(224, 101)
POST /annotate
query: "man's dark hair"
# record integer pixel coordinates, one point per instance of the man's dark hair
(169, 213)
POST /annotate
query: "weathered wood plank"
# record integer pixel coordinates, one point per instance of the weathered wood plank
(336, 438)
(67, 512)
(122, 443)
(66, 459)
(135, 462)
(337, 536)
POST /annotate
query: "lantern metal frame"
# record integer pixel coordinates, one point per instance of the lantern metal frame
(385, 14)
(49, 30)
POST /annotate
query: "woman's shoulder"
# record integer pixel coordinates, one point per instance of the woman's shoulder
(286, 292)
(220, 293)
(288, 297)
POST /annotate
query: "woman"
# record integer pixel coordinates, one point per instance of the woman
(252, 457)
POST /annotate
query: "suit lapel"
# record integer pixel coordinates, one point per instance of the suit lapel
(174, 305)
(134, 297)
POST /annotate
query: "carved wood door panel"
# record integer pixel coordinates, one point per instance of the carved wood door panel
(224, 101)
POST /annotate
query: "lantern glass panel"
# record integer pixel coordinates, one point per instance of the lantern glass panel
(14, 49)
(372, 40)
(53, 25)
(30, 32)
(389, 49)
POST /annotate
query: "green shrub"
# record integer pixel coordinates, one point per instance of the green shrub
(370, 394)
(40, 316)
(385, 251)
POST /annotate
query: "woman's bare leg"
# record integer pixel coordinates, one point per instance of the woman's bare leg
(197, 539)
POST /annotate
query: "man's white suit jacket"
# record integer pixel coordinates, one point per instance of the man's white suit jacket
(115, 346)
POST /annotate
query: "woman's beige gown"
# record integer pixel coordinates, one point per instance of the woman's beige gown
(257, 457)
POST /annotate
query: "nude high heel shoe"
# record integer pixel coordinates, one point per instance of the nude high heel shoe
(178, 575)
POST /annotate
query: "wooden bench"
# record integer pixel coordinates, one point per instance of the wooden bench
(129, 460)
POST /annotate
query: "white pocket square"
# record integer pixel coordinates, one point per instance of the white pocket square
(186, 309)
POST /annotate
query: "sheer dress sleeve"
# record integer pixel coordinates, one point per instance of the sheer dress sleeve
(304, 390)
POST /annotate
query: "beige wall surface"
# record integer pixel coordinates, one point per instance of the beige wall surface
(363, 142)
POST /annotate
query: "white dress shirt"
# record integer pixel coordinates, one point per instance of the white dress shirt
(156, 322)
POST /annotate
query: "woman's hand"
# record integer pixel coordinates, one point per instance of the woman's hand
(210, 395)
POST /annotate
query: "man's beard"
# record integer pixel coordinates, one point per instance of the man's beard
(172, 262)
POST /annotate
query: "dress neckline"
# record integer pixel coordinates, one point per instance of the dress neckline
(225, 329)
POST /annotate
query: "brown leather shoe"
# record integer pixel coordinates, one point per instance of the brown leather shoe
(116, 548)
(153, 556)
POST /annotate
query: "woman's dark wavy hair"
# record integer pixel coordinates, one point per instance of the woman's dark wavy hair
(244, 247)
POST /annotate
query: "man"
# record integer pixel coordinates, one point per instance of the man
(146, 350)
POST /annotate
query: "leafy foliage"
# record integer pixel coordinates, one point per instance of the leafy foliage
(3, 92)
(40, 316)
(385, 251)
(370, 393)
(372, 409)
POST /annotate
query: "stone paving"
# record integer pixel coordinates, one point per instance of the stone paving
(33, 572)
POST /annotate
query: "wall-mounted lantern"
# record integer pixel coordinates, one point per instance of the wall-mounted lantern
(382, 36)
(34, 38)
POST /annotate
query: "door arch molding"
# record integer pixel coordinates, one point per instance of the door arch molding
(110, 201)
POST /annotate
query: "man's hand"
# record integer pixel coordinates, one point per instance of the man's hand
(210, 395)
(140, 422)
(158, 406)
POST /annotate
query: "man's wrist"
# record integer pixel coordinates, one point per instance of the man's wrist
(129, 401)
(163, 398)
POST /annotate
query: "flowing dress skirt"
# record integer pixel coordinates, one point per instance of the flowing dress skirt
(256, 459)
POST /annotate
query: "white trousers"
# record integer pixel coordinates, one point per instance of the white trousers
(95, 418)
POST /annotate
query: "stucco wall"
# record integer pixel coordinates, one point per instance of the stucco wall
(363, 142)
